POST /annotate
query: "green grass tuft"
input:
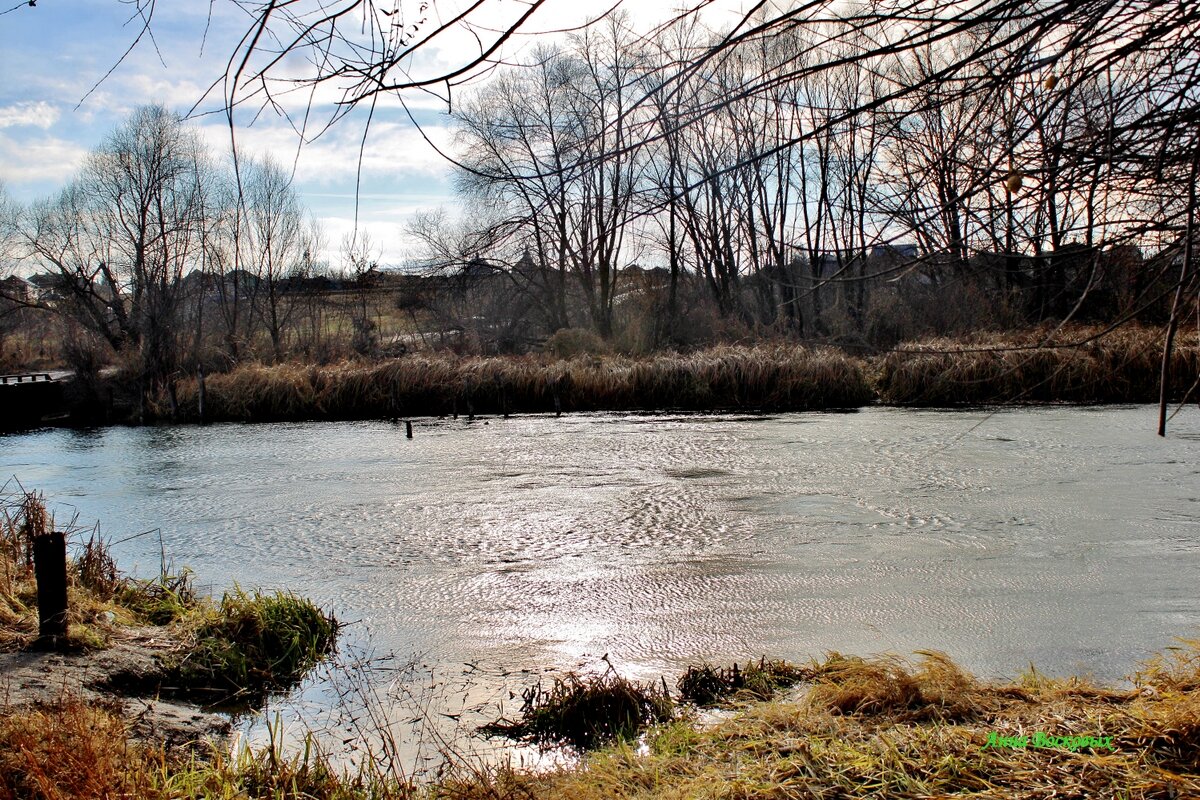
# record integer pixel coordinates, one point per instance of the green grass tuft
(252, 644)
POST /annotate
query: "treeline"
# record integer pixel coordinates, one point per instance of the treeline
(163, 259)
(851, 181)
(811, 180)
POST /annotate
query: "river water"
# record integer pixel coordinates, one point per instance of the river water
(1064, 537)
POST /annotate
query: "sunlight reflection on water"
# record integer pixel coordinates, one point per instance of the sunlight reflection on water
(1065, 537)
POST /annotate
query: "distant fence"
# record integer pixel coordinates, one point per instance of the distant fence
(28, 377)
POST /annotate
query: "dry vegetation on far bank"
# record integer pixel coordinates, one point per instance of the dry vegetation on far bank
(1075, 365)
(785, 378)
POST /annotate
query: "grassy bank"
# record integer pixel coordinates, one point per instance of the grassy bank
(1075, 365)
(1030, 367)
(237, 649)
(882, 727)
(772, 378)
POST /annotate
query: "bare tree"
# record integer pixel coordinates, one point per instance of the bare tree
(278, 245)
(124, 233)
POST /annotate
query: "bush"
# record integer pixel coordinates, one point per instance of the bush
(572, 342)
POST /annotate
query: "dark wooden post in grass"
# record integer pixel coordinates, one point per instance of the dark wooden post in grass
(408, 429)
(50, 570)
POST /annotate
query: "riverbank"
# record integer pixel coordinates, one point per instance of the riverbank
(1075, 365)
(881, 727)
(151, 653)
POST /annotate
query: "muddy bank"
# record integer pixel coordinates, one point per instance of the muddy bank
(97, 676)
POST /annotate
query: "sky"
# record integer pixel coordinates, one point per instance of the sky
(58, 100)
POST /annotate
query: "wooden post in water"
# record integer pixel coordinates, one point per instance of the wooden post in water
(50, 571)
(408, 429)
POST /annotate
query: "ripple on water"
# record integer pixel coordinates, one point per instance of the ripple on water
(662, 539)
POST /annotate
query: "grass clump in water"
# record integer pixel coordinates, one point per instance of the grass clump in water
(707, 685)
(586, 711)
(252, 643)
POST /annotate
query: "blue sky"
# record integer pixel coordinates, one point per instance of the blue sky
(53, 54)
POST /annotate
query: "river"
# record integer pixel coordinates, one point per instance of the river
(1065, 537)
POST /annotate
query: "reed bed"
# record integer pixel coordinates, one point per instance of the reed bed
(777, 378)
(1074, 365)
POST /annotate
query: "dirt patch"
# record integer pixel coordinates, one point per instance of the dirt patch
(118, 674)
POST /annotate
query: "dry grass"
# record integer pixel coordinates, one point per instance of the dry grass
(887, 728)
(73, 750)
(1031, 367)
(767, 378)
(97, 595)
(878, 727)
(1023, 367)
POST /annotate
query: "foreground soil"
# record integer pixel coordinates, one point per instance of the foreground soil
(37, 680)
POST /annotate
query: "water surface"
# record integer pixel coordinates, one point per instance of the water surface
(1065, 537)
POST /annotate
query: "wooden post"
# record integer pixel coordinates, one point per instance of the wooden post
(557, 404)
(408, 429)
(470, 411)
(200, 394)
(50, 570)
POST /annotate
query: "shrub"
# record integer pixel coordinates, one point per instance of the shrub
(572, 342)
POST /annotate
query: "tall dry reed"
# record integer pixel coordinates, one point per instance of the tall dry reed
(775, 378)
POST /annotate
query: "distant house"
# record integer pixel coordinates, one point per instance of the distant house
(478, 269)
(898, 253)
(15, 289)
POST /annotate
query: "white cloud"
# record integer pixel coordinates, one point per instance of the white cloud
(39, 114)
(44, 161)
(393, 151)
